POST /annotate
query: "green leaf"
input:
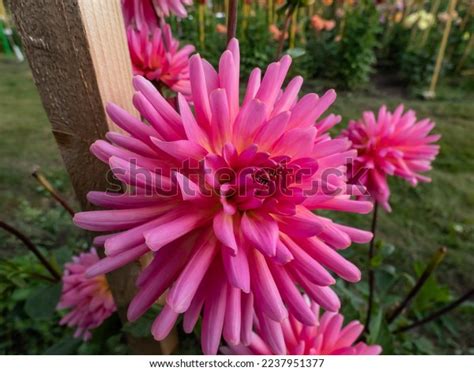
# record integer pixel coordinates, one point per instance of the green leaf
(386, 339)
(424, 345)
(67, 345)
(62, 255)
(376, 261)
(141, 327)
(21, 294)
(374, 327)
(387, 249)
(296, 52)
(42, 302)
(110, 326)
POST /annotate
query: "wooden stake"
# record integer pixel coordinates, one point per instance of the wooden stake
(270, 12)
(465, 55)
(78, 54)
(431, 93)
(245, 19)
(202, 24)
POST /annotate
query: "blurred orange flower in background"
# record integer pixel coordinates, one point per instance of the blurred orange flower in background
(320, 24)
(221, 28)
(276, 33)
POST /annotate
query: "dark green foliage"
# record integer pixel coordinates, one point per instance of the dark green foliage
(256, 46)
(416, 67)
(392, 286)
(348, 62)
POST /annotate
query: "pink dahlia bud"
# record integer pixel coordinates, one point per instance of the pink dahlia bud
(156, 55)
(391, 144)
(326, 336)
(145, 12)
(89, 299)
(223, 195)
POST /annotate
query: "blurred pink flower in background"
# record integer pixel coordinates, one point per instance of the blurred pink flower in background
(222, 195)
(156, 55)
(391, 144)
(89, 300)
(326, 336)
(145, 12)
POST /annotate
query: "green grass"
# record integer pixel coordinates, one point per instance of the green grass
(423, 218)
(26, 142)
(437, 213)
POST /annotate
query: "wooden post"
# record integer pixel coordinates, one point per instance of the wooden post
(78, 55)
(270, 12)
(431, 93)
(202, 24)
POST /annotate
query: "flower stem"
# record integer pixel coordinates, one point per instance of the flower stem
(32, 247)
(370, 269)
(232, 20)
(294, 26)
(41, 179)
(281, 42)
(438, 313)
(430, 268)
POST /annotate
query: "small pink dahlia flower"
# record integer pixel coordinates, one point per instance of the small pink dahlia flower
(156, 55)
(391, 144)
(222, 195)
(146, 12)
(326, 336)
(89, 299)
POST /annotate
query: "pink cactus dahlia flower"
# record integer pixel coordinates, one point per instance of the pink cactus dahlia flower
(325, 337)
(89, 299)
(146, 12)
(156, 55)
(391, 144)
(222, 196)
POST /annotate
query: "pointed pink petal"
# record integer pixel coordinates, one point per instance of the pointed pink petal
(224, 229)
(267, 295)
(232, 323)
(183, 290)
(261, 230)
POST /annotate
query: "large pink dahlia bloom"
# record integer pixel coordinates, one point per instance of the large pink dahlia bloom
(326, 336)
(156, 55)
(222, 195)
(89, 299)
(146, 12)
(391, 144)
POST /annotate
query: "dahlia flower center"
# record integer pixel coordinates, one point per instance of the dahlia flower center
(253, 179)
(102, 286)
